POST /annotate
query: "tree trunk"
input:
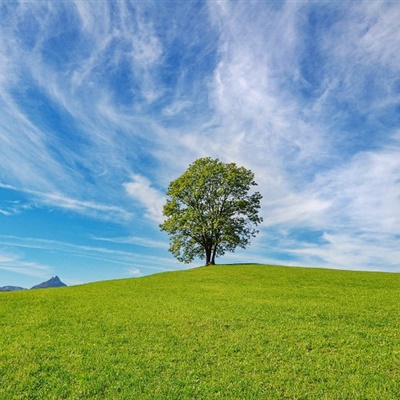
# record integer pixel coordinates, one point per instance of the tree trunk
(213, 258)
(208, 256)
(214, 252)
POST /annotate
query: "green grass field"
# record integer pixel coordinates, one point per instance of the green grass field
(224, 332)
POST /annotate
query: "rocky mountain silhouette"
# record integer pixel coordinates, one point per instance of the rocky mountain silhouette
(51, 283)
(11, 288)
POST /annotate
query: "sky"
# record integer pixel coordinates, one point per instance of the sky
(104, 103)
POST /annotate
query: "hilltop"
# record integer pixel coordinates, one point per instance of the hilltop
(227, 332)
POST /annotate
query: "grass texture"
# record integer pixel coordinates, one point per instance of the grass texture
(223, 332)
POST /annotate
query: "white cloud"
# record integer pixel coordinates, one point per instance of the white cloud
(59, 200)
(13, 262)
(4, 212)
(141, 190)
(365, 194)
(295, 210)
(177, 107)
(134, 240)
(134, 271)
(373, 252)
(119, 257)
(84, 207)
(32, 154)
(261, 119)
(294, 143)
(14, 208)
(368, 34)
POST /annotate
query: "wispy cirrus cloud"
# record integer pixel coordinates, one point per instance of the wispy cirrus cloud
(84, 89)
(85, 118)
(311, 121)
(58, 200)
(14, 262)
(133, 240)
(365, 193)
(118, 256)
(134, 271)
(14, 208)
(376, 252)
(141, 190)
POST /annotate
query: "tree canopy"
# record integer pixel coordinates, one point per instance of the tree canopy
(210, 210)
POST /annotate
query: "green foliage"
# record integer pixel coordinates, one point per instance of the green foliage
(227, 332)
(210, 211)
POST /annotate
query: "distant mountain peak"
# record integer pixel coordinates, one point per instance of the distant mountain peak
(11, 288)
(52, 282)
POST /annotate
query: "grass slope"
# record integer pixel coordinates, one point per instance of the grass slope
(228, 332)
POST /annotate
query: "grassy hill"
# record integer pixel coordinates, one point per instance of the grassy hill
(224, 332)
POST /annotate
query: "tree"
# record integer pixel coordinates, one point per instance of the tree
(209, 210)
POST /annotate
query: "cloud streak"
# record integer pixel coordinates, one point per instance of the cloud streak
(13, 262)
(140, 189)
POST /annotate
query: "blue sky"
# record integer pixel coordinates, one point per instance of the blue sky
(103, 103)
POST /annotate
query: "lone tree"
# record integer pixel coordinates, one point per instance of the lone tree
(209, 210)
